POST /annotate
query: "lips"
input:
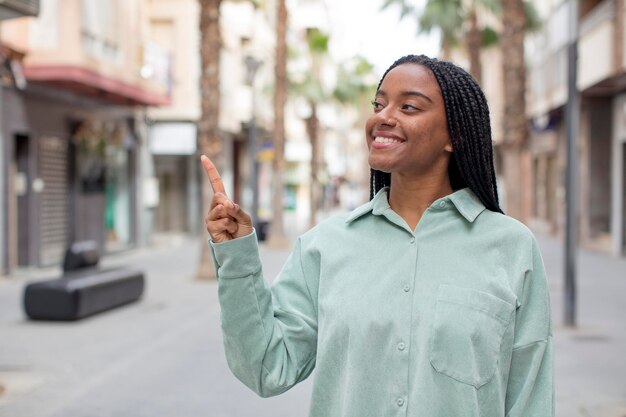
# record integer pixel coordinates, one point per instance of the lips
(386, 140)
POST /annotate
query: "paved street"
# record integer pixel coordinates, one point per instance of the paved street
(163, 356)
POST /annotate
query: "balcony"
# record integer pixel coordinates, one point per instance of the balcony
(98, 52)
(596, 45)
(597, 53)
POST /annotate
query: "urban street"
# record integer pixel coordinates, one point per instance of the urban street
(113, 112)
(163, 356)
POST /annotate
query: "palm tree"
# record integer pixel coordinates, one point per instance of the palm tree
(277, 236)
(355, 87)
(518, 17)
(458, 20)
(515, 130)
(314, 93)
(209, 141)
(450, 17)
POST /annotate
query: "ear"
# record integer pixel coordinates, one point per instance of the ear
(448, 147)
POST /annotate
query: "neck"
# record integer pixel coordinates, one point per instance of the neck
(410, 196)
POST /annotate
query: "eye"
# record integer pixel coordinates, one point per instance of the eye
(409, 107)
(376, 105)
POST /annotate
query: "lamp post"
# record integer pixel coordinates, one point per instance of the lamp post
(572, 111)
(252, 66)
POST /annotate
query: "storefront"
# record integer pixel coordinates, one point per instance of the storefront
(70, 175)
(547, 140)
(173, 145)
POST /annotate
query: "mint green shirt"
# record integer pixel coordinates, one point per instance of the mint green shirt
(450, 319)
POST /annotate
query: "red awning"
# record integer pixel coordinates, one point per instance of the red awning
(88, 82)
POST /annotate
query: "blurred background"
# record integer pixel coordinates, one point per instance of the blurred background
(106, 106)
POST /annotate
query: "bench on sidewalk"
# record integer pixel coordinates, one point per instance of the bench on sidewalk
(83, 289)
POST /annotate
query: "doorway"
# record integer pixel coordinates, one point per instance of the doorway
(21, 181)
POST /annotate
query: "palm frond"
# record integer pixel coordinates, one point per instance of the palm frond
(489, 37)
(494, 6)
(389, 3)
(533, 21)
(318, 41)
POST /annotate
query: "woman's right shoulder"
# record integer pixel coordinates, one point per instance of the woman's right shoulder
(333, 222)
(329, 229)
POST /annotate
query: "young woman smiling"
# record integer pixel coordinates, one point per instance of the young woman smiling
(426, 301)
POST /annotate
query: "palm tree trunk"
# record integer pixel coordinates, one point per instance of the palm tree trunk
(209, 141)
(277, 235)
(515, 131)
(312, 128)
(473, 41)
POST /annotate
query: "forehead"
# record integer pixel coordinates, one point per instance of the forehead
(411, 77)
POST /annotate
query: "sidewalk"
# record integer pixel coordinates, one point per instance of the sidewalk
(590, 360)
(163, 356)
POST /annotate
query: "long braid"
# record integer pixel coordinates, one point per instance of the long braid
(467, 115)
(378, 180)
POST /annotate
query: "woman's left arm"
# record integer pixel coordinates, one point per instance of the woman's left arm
(530, 389)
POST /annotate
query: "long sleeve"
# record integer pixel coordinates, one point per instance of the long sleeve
(530, 390)
(270, 335)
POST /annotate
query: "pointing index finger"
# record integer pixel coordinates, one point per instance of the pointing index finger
(214, 176)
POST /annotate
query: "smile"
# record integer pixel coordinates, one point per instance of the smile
(380, 139)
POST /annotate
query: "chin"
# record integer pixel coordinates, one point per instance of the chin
(386, 171)
(378, 166)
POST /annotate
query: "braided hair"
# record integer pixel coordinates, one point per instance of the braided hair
(467, 113)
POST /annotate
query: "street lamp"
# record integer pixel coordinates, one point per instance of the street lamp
(572, 112)
(252, 66)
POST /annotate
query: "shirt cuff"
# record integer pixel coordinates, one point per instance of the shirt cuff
(236, 258)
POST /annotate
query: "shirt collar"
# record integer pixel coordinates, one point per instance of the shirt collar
(375, 205)
(465, 201)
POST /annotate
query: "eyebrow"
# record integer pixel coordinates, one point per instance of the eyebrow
(406, 93)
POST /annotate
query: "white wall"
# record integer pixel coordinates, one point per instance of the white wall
(174, 26)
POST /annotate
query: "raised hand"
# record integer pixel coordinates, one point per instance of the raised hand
(225, 219)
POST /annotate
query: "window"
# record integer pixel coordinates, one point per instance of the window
(100, 30)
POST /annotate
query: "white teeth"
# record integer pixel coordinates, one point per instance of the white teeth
(386, 140)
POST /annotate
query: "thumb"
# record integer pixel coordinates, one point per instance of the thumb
(240, 216)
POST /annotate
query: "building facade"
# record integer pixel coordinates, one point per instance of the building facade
(172, 129)
(602, 130)
(9, 73)
(247, 46)
(72, 129)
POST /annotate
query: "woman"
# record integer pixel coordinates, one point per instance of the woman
(426, 301)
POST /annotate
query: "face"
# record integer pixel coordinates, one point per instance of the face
(408, 133)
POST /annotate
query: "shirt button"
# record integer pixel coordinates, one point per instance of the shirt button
(407, 288)
(400, 402)
(412, 240)
(442, 204)
(401, 346)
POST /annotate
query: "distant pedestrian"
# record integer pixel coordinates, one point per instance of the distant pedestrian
(426, 301)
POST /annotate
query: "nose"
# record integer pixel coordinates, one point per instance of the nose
(385, 117)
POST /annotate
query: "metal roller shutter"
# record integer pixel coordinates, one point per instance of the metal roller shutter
(53, 226)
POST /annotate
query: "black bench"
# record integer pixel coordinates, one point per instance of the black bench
(84, 289)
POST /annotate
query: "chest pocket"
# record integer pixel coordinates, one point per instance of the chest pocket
(467, 332)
